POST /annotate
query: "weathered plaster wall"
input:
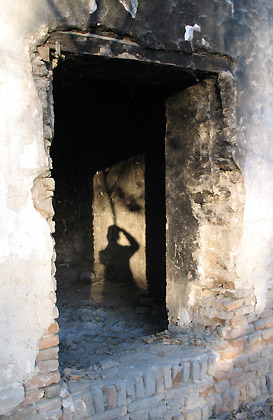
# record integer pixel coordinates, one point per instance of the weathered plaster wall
(119, 199)
(204, 197)
(26, 305)
(255, 149)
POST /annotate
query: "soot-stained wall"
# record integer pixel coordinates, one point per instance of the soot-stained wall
(99, 125)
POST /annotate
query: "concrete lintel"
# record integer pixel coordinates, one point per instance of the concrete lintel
(91, 44)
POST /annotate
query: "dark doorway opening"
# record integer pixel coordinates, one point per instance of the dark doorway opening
(109, 114)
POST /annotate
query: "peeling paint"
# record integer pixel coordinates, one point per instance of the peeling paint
(183, 316)
(127, 56)
(93, 6)
(105, 50)
(131, 6)
(189, 31)
(205, 43)
(232, 5)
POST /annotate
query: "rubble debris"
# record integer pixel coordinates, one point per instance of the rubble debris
(249, 411)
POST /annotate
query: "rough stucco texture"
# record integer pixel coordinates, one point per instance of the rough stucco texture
(26, 247)
(255, 124)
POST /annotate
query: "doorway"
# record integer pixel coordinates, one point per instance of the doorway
(109, 167)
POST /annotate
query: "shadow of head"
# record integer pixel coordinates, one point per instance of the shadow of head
(113, 233)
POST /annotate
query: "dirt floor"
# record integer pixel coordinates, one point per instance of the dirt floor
(250, 411)
(100, 321)
(105, 329)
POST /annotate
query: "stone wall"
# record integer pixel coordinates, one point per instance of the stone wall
(175, 389)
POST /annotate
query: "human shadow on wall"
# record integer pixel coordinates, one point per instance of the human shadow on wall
(116, 257)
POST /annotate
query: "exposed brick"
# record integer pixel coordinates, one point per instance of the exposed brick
(228, 375)
(178, 417)
(195, 370)
(218, 403)
(205, 301)
(267, 334)
(244, 310)
(139, 387)
(206, 412)
(231, 353)
(221, 386)
(98, 399)
(175, 369)
(211, 365)
(249, 300)
(260, 367)
(145, 403)
(52, 391)
(243, 379)
(205, 391)
(167, 376)
(175, 404)
(232, 304)
(268, 313)
(239, 342)
(33, 396)
(269, 382)
(52, 415)
(113, 413)
(186, 371)
(205, 386)
(220, 345)
(263, 385)
(159, 380)
(224, 366)
(48, 404)
(78, 406)
(259, 324)
(270, 365)
(121, 392)
(251, 348)
(195, 414)
(176, 379)
(230, 400)
(243, 392)
(53, 329)
(244, 330)
(203, 368)
(215, 313)
(42, 380)
(22, 414)
(139, 415)
(159, 411)
(266, 352)
(251, 317)
(238, 321)
(180, 391)
(48, 354)
(130, 388)
(48, 341)
(48, 365)
(263, 323)
(149, 383)
(111, 393)
(254, 356)
(254, 337)
(191, 395)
